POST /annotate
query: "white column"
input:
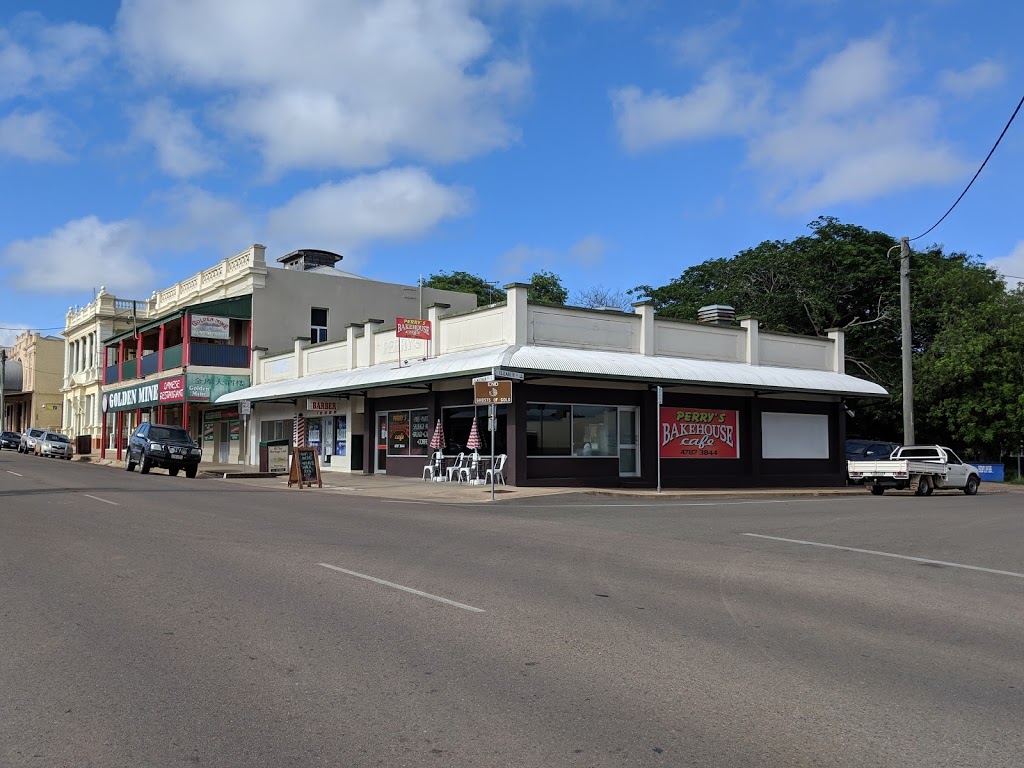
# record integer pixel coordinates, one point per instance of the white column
(516, 309)
(434, 312)
(838, 350)
(646, 311)
(67, 359)
(752, 343)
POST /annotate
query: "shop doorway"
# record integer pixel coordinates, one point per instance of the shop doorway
(223, 442)
(629, 442)
(381, 444)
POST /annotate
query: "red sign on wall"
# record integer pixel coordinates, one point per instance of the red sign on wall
(699, 433)
(172, 390)
(409, 328)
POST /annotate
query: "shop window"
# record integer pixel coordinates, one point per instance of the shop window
(317, 325)
(408, 432)
(458, 422)
(281, 429)
(571, 430)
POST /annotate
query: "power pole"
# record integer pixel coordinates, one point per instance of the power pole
(908, 367)
(3, 386)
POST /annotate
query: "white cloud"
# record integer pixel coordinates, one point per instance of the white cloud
(725, 103)
(396, 204)
(31, 136)
(199, 219)
(1011, 266)
(80, 253)
(984, 74)
(179, 145)
(833, 138)
(589, 251)
(702, 43)
(36, 57)
(336, 83)
(9, 332)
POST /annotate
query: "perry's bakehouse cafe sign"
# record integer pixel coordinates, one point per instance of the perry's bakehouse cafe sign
(408, 328)
(699, 433)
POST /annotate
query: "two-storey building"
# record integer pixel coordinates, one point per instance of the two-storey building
(37, 403)
(198, 337)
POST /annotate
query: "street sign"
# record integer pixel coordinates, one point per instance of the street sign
(661, 395)
(492, 392)
(245, 407)
(501, 373)
(488, 377)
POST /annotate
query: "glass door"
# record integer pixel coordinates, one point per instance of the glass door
(381, 444)
(629, 443)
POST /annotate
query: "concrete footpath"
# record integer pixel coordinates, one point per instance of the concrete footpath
(414, 489)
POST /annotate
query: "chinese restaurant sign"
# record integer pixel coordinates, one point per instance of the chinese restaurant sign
(408, 328)
(699, 433)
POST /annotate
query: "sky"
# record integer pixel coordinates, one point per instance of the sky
(612, 142)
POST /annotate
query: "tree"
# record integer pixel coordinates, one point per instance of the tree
(600, 297)
(845, 276)
(486, 293)
(546, 288)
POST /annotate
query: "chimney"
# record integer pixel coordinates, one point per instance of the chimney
(717, 314)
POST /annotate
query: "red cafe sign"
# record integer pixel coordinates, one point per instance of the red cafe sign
(172, 390)
(409, 328)
(699, 433)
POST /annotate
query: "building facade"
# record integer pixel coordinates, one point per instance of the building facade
(85, 328)
(199, 337)
(598, 397)
(38, 402)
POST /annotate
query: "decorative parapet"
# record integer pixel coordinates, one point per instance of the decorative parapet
(106, 305)
(215, 282)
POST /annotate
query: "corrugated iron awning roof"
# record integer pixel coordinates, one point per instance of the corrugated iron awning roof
(573, 363)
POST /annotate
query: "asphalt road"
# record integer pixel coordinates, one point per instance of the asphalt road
(158, 621)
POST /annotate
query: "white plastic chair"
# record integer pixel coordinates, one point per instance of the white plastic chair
(432, 469)
(454, 468)
(466, 470)
(498, 471)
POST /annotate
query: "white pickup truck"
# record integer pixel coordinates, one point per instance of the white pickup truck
(924, 468)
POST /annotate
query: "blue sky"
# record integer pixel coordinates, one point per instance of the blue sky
(612, 142)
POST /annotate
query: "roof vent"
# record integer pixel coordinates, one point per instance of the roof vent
(309, 258)
(717, 314)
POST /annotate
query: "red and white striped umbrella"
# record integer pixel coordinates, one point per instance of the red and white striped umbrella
(437, 441)
(474, 441)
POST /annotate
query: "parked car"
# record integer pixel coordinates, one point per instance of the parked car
(867, 450)
(54, 444)
(165, 446)
(10, 439)
(27, 444)
(923, 468)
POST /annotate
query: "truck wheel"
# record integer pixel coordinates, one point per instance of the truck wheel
(129, 465)
(972, 485)
(191, 471)
(173, 472)
(877, 490)
(146, 466)
(923, 487)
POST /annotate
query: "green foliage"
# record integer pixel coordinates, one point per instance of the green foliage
(467, 283)
(546, 288)
(968, 332)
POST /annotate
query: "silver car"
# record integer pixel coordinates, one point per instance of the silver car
(54, 444)
(28, 440)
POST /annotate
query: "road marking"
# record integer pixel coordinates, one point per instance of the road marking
(15, 473)
(404, 589)
(97, 498)
(890, 554)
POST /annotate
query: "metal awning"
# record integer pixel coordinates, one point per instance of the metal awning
(571, 363)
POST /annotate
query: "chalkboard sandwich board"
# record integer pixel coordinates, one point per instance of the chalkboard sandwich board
(305, 469)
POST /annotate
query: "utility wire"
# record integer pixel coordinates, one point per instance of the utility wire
(933, 226)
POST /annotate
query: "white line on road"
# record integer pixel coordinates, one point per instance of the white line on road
(15, 473)
(404, 589)
(890, 554)
(97, 498)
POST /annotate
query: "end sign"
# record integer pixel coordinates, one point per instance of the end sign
(493, 392)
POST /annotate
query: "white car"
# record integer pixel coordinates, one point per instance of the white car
(55, 445)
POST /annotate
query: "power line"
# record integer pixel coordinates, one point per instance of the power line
(1005, 129)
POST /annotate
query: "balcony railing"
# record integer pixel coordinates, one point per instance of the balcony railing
(172, 357)
(110, 374)
(150, 364)
(221, 355)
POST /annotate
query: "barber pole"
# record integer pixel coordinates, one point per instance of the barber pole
(299, 431)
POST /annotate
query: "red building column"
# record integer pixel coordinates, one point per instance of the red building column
(120, 362)
(186, 341)
(103, 435)
(160, 350)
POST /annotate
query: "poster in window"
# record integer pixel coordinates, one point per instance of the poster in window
(420, 433)
(699, 433)
(233, 431)
(340, 435)
(398, 433)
